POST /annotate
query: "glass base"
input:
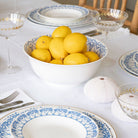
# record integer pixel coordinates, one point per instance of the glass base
(13, 69)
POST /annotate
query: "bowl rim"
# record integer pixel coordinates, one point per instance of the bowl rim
(78, 65)
(115, 10)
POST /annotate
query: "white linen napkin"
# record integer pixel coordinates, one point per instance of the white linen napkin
(22, 96)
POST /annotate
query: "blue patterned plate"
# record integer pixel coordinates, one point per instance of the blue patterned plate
(63, 13)
(105, 130)
(50, 122)
(35, 18)
(129, 62)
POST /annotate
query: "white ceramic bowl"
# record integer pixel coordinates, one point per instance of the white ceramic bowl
(67, 74)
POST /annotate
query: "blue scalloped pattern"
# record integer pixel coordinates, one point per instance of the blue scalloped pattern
(18, 124)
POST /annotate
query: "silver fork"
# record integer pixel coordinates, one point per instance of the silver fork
(9, 98)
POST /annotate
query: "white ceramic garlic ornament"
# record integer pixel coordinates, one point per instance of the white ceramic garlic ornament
(101, 89)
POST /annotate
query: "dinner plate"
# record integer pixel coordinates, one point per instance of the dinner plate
(105, 129)
(62, 13)
(129, 62)
(51, 122)
(34, 17)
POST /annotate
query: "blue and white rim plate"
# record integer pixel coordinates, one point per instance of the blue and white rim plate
(129, 62)
(105, 129)
(88, 124)
(34, 17)
(59, 13)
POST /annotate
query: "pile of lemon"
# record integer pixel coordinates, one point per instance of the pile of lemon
(63, 47)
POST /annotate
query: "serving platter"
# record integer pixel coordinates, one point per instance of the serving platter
(129, 62)
(34, 17)
(63, 13)
(105, 129)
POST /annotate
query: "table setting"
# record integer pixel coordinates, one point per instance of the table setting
(68, 75)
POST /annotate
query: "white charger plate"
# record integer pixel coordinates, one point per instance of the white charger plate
(63, 13)
(34, 17)
(105, 129)
(129, 62)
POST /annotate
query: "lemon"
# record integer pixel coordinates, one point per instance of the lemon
(56, 61)
(56, 48)
(61, 31)
(92, 56)
(75, 58)
(43, 42)
(84, 49)
(75, 42)
(41, 54)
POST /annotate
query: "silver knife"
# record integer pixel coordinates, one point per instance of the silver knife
(10, 104)
(92, 33)
(11, 108)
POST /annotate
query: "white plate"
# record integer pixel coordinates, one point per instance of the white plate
(62, 13)
(51, 122)
(129, 62)
(35, 18)
(105, 130)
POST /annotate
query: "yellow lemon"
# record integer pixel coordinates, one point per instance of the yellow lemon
(43, 42)
(41, 54)
(56, 48)
(84, 49)
(92, 56)
(61, 31)
(75, 42)
(56, 61)
(75, 58)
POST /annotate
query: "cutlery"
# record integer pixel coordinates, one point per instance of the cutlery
(9, 98)
(89, 32)
(92, 33)
(10, 104)
(16, 107)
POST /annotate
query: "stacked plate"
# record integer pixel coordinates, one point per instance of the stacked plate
(58, 15)
(54, 121)
(129, 62)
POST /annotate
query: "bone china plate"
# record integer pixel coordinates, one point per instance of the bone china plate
(34, 17)
(129, 62)
(105, 129)
(63, 13)
(51, 122)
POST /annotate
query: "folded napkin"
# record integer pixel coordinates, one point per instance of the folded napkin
(22, 96)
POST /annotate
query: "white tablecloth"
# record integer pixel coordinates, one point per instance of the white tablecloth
(119, 43)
